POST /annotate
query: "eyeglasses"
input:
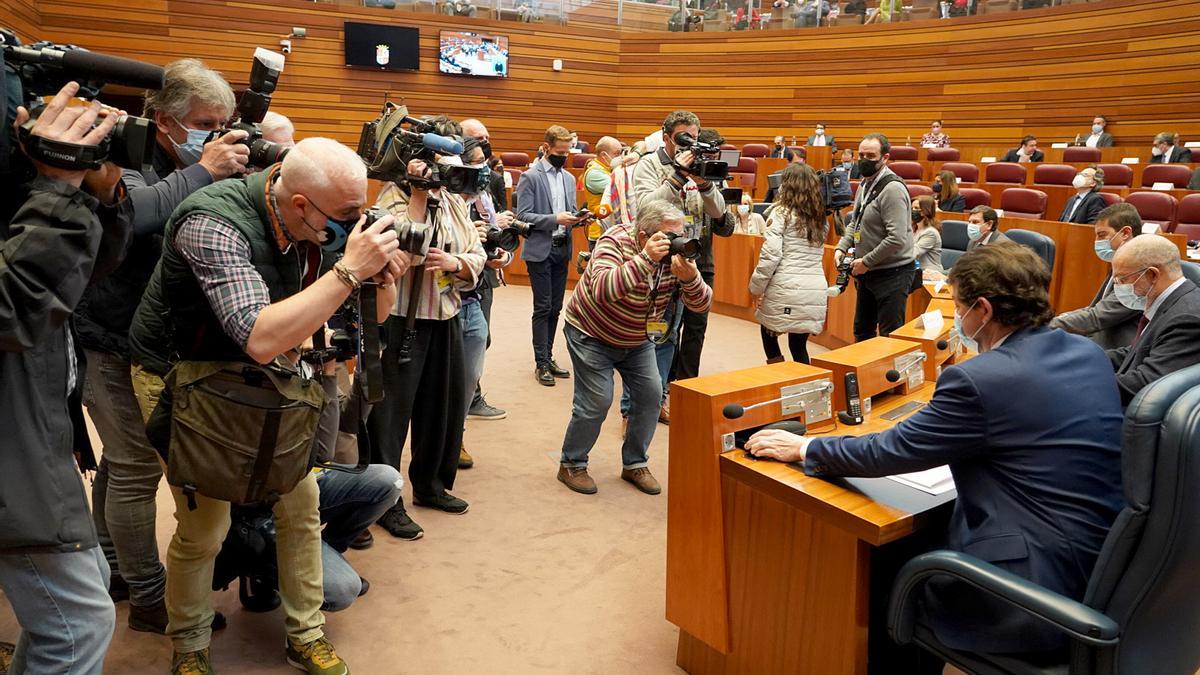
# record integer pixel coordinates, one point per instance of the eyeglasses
(1120, 278)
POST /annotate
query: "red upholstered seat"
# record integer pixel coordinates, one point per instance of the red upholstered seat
(969, 173)
(1155, 207)
(514, 160)
(916, 190)
(1005, 172)
(580, 160)
(943, 155)
(1081, 154)
(907, 170)
(755, 150)
(728, 146)
(584, 146)
(516, 175)
(745, 165)
(976, 197)
(1054, 174)
(1111, 198)
(903, 153)
(1117, 175)
(1023, 203)
(1188, 216)
(1179, 174)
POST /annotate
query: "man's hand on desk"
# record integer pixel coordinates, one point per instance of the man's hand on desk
(778, 444)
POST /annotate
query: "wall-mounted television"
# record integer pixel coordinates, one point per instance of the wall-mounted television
(464, 53)
(372, 45)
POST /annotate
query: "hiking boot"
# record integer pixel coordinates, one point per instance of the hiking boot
(118, 589)
(544, 377)
(642, 480)
(363, 541)
(443, 502)
(399, 525)
(465, 460)
(577, 478)
(558, 371)
(150, 619)
(482, 410)
(191, 663)
(316, 658)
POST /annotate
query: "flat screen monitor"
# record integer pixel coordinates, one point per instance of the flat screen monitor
(464, 53)
(731, 157)
(371, 45)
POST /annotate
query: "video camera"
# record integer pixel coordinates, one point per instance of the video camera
(252, 107)
(387, 146)
(42, 69)
(843, 275)
(702, 166)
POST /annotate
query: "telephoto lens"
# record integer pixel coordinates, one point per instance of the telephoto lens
(507, 238)
(685, 246)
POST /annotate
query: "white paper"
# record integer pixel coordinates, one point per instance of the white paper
(999, 212)
(937, 288)
(935, 481)
(1130, 160)
(1192, 144)
(987, 160)
(1059, 145)
(1163, 185)
(957, 180)
(1149, 228)
(933, 323)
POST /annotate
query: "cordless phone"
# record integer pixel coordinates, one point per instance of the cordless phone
(853, 412)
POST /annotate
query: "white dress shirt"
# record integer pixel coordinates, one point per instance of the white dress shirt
(1093, 140)
(558, 199)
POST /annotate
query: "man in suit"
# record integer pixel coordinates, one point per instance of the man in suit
(1098, 137)
(982, 228)
(1106, 321)
(1031, 429)
(818, 138)
(1027, 152)
(1165, 151)
(1148, 277)
(546, 200)
(778, 149)
(1085, 205)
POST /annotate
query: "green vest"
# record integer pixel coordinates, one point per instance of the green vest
(174, 321)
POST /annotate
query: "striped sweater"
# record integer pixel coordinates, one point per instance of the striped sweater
(611, 302)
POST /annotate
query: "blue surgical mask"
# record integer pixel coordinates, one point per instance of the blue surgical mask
(1128, 296)
(974, 231)
(968, 341)
(336, 231)
(1104, 250)
(189, 151)
(1096, 128)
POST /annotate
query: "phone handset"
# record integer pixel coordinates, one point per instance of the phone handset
(853, 413)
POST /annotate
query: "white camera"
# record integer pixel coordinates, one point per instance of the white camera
(285, 46)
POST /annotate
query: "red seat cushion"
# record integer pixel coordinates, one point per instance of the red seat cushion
(942, 155)
(1117, 175)
(1081, 154)
(1178, 174)
(755, 150)
(969, 173)
(1154, 207)
(1054, 174)
(907, 170)
(903, 153)
(514, 160)
(1023, 203)
(976, 197)
(1005, 172)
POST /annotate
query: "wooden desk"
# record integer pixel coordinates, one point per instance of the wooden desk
(765, 167)
(769, 570)
(820, 158)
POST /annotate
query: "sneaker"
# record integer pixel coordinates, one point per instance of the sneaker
(480, 410)
(465, 460)
(191, 663)
(544, 376)
(558, 371)
(6, 656)
(151, 619)
(316, 658)
(443, 502)
(399, 525)
(642, 480)
(218, 622)
(118, 589)
(363, 541)
(366, 586)
(577, 478)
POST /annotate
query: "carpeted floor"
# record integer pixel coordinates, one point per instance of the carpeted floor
(534, 579)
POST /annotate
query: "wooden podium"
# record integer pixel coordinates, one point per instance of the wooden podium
(768, 569)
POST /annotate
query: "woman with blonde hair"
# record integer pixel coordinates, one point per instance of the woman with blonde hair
(745, 220)
(789, 282)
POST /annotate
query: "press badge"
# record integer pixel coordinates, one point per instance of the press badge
(443, 281)
(656, 330)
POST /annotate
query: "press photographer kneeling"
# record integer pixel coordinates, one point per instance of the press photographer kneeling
(240, 283)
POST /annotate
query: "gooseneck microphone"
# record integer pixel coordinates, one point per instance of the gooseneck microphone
(733, 411)
(894, 375)
(942, 344)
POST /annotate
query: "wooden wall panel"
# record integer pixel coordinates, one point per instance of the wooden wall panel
(21, 16)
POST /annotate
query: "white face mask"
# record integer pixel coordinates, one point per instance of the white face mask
(820, 132)
(1156, 151)
(743, 209)
(1080, 181)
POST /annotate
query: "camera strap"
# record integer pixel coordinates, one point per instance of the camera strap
(62, 155)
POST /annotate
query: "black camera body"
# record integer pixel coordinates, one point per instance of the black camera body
(505, 238)
(843, 275)
(703, 165)
(688, 247)
(253, 106)
(414, 239)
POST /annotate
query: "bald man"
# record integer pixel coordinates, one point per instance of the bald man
(1148, 277)
(599, 170)
(241, 266)
(278, 129)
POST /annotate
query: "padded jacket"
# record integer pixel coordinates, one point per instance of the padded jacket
(790, 278)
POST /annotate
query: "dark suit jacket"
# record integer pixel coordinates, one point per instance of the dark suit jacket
(777, 152)
(1170, 342)
(1086, 214)
(1106, 321)
(994, 237)
(1106, 139)
(829, 140)
(534, 207)
(1038, 475)
(1174, 155)
(1011, 156)
(956, 204)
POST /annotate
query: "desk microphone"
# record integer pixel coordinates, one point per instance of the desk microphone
(942, 345)
(894, 375)
(733, 411)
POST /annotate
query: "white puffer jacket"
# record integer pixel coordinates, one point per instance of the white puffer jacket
(790, 279)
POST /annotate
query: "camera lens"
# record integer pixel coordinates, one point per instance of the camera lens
(264, 153)
(414, 238)
(684, 246)
(131, 142)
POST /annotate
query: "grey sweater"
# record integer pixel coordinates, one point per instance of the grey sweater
(885, 225)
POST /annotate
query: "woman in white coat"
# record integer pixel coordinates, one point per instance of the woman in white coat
(789, 282)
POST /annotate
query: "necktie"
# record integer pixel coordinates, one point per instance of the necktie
(1140, 327)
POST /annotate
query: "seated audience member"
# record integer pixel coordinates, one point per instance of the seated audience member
(927, 237)
(1097, 137)
(1167, 151)
(982, 228)
(1106, 321)
(1085, 205)
(778, 148)
(935, 138)
(849, 165)
(527, 11)
(1147, 277)
(793, 156)
(957, 8)
(745, 220)
(889, 10)
(858, 7)
(1038, 474)
(788, 284)
(459, 8)
(1027, 152)
(614, 318)
(805, 13)
(945, 188)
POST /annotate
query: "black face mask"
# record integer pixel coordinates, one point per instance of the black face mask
(557, 161)
(937, 188)
(868, 167)
(916, 216)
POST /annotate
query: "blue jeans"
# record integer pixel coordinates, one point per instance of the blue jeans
(475, 338)
(61, 601)
(349, 503)
(664, 354)
(594, 364)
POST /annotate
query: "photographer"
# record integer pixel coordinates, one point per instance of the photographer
(242, 267)
(194, 101)
(616, 315)
(881, 235)
(424, 373)
(55, 237)
(665, 175)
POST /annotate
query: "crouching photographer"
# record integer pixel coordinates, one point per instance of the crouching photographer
(242, 282)
(56, 237)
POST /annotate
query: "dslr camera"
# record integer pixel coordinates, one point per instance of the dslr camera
(843, 275)
(681, 244)
(42, 69)
(504, 238)
(389, 142)
(703, 164)
(415, 239)
(252, 107)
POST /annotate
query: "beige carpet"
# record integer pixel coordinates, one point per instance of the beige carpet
(534, 579)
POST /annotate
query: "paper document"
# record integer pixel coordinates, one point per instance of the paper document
(935, 481)
(931, 323)
(1058, 145)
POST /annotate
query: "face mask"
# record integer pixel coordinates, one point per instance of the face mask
(335, 230)
(189, 151)
(1080, 181)
(1127, 295)
(937, 131)
(557, 161)
(968, 341)
(937, 188)
(743, 209)
(974, 231)
(485, 176)
(1104, 250)
(1096, 128)
(820, 132)
(868, 167)
(1156, 151)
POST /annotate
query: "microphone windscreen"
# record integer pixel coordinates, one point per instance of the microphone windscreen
(892, 375)
(441, 144)
(733, 411)
(85, 65)
(942, 344)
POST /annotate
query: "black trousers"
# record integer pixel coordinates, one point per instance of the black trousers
(548, 279)
(691, 341)
(797, 345)
(882, 299)
(426, 393)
